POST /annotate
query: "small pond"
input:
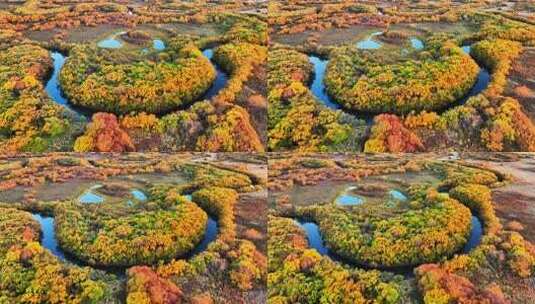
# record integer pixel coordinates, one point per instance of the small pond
(416, 43)
(90, 197)
(158, 44)
(347, 198)
(398, 195)
(111, 42)
(369, 43)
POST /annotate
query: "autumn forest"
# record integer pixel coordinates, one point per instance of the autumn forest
(267, 152)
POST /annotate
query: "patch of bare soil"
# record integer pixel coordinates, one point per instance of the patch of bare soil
(521, 84)
(88, 34)
(41, 36)
(516, 200)
(331, 36)
(250, 218)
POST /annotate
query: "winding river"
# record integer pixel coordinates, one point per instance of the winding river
(316, 241)
(50, 242)
(53, 88)
(347, 197)
(221, 78)
(320, 66)
(483, 80)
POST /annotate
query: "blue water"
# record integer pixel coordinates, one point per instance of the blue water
(397, 195)
(317, 87)
(89, 197)
(483, 80)
(315, 241)
(369, 43)
(348, 200)
(53, 88)
(416, 43)
(110, 43)
(313, 234)
(137, 194)
(475, 235)
(466, 48)
(48, 239)
(221, 77)
(158, 44)
(210, 235)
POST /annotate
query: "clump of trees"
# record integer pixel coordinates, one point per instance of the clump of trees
(298, 274)
(30, 273)
(137, 37)
(389, 135)
(146, 287)
(246, 265)
(494, 26)
(435, 226)
(438, 78)
(471, 187)
(100, 80)
(161, 230)
(29, 119)
(203, 127)
(206, 176)
(498, 56)
(103, 134)
(219, 202)
(483, 123)
(239, 59)
(508, 127)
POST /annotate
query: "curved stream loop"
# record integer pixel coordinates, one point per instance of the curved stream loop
(50, 242)
(348, 198)
(53, 88)
(316, 241)
(320, 66)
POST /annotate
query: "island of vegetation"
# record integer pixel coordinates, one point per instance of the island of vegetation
(383, 76)
(120, 77)
(350, 228)
(138, 228)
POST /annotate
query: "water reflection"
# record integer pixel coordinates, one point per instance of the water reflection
(221, 77)
(90, 197)
(397, 195)
(158, 44)
(48, 238)
(111, 42)
(416, 43)
(348, 199)
(476, 234)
